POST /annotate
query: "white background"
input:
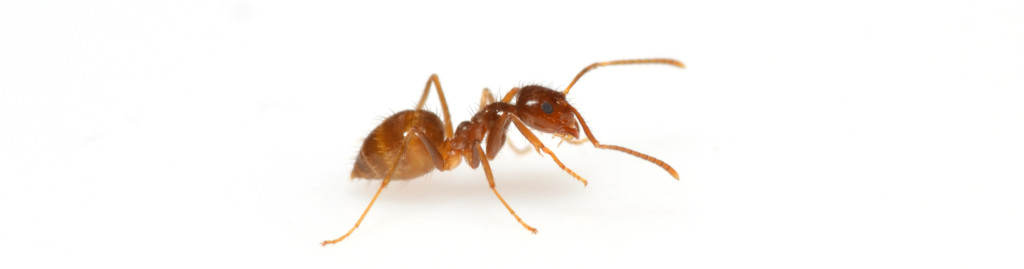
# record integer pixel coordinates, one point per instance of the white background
(171, 134)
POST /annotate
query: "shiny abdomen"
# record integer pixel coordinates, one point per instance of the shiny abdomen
(380, 149)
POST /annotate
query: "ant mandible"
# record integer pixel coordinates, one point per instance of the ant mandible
(411, 143)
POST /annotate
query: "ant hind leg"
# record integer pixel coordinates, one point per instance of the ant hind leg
(432, 151)
(444, 104)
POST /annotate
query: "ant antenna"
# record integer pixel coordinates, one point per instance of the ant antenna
(621, 62)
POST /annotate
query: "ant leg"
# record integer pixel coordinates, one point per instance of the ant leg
(540, 146)
(517, 150)
(486, 98)
(382, 185)
(506, 99)
(509, 95)
(431, 149)
(387, 179)
(490, 180)
(444, 104)
(646, 157)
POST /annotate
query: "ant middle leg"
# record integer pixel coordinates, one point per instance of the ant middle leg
(490, 180)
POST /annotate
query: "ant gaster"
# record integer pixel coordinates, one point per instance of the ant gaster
(412, 143)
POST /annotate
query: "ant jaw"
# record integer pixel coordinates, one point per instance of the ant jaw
(572, 130)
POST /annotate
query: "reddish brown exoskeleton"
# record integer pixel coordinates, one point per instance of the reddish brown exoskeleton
(412, 143)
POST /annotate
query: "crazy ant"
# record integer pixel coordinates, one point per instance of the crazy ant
(412, 143)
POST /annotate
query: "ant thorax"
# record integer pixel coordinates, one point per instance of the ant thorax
(487, 127)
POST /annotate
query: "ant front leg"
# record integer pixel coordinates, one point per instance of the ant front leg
(590, 136)
(518, 150)
(487, 98)
(540, 146)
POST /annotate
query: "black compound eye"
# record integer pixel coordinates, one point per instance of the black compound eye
(548, 109)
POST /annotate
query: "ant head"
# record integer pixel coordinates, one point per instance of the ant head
(546, 110)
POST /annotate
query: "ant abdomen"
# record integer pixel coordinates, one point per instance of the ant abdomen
(381, 148)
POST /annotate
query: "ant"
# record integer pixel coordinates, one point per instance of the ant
(412, 143)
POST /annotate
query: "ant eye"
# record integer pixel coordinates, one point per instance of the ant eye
(547, 108)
